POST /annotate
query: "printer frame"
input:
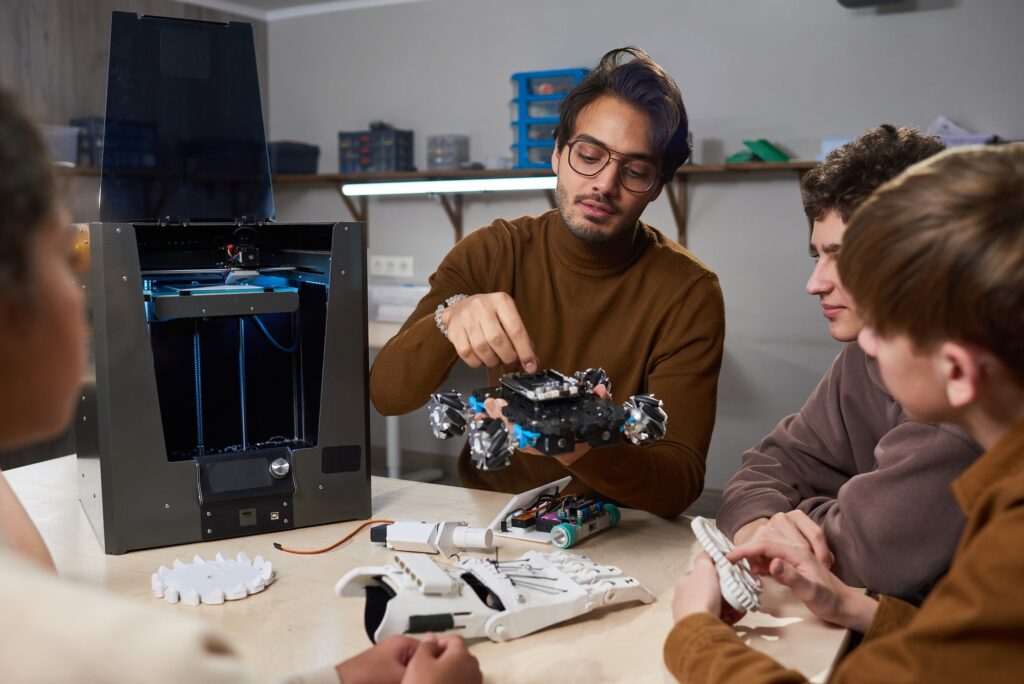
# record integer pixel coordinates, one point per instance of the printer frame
(136, 496)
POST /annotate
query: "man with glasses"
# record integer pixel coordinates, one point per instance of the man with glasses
(585, 286)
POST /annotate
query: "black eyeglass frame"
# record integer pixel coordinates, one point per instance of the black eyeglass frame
(622, 159)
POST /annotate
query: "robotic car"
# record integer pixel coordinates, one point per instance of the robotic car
(546, 515)
(548, 411)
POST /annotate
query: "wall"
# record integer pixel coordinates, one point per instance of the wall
(55, 53)
(793, 71)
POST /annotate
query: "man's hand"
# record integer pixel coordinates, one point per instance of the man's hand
(385, 663)
(442, 661)
(486, 330)
(797, 528)
(699, 591)
(494, 407)
(793, 564)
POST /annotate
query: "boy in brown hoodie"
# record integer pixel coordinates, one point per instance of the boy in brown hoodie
(851, 473)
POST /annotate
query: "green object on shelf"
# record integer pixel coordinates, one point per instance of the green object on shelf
(741, 157)
(759, 150)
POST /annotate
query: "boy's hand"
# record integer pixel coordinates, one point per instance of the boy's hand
(442, 661)
(487, 330)
(744, 534)
(385, 663)
(794, 526)
(793, 564)
(699, 591)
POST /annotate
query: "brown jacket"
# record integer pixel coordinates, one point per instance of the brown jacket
(640, 306)
(874, 480)
(969, 629)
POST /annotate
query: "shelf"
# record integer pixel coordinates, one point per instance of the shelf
(676, 192)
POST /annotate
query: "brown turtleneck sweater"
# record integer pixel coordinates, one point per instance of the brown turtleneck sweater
(639, 306)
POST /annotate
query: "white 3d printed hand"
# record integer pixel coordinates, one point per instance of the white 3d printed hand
(482, 598)
(739, 587)
(214, 581)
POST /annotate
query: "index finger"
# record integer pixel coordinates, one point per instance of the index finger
(792, 554)
(514, 327)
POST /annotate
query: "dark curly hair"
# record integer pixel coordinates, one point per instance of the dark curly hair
(28, 189)
(849, 174)
(646, 86)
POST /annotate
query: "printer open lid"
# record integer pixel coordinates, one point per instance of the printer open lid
(184, 139)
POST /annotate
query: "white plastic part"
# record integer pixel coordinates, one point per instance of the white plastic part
(444, 537)
(473, 538)
(425, 574)
(739, 587)
(212, 581)
(521, 501)
(506, 600)
(412, 536)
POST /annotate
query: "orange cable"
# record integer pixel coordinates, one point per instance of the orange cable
(335, 544)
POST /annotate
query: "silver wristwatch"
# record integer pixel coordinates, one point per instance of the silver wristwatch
(440, 310)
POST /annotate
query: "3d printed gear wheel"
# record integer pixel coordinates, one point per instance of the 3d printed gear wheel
(213, 581)
(739, 587)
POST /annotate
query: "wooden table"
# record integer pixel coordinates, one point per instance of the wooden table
(299, 623)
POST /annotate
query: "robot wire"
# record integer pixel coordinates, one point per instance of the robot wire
(336, 544)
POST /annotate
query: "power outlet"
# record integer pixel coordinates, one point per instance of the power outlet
(391, 266)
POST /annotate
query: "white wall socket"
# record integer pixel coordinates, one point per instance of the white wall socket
(393, 266)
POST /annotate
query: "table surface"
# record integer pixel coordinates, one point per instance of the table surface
(299, 623)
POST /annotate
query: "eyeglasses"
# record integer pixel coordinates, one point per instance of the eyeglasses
(589, 159)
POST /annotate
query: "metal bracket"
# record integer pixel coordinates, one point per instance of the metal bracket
(359, 212)
(453, 207)
(675, 191)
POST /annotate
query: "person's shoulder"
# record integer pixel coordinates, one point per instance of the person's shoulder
(664, 252)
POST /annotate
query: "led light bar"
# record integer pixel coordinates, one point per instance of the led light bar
(440, 186)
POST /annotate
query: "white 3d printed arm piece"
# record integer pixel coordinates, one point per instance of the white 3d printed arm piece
(482, 598)
(739, 587)
(443, 537)
(213, 581)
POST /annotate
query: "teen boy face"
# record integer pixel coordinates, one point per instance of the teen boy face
(826, 238)
(597, 208)
(917, 378)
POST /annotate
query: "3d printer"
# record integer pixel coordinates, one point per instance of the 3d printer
(229, 352)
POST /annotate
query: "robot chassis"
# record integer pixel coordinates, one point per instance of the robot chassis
(548, 411)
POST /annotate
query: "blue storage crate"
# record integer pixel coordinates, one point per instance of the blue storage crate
(392, 149)
(355, 153)
(538, 96)
(380, 149)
